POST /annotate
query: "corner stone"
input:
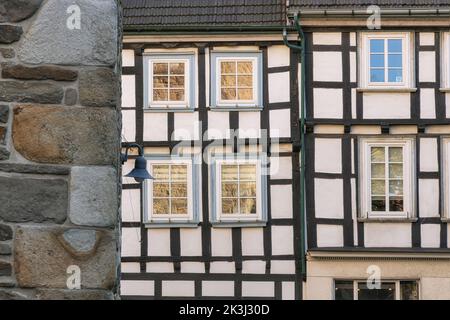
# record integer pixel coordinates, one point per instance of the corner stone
(5, 269)
(55, 294)
(21, 72)
(41, 260)
(66, 135)
(6, 232)
(10, 34)
(98, 88)
(34, 92)
(4, 113)
(18, 10)
(93, 196)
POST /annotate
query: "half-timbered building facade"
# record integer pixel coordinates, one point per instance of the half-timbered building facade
(211, 93)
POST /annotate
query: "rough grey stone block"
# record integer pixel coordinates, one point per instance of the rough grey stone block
(6, 232)
(94, 44)
(4, 113)
(10, 34)
(18, 10)
(71, 97)
(93, 196)
(98, 88)
(37, 92)
(80, 241)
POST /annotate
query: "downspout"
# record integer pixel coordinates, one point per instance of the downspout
(301, 48)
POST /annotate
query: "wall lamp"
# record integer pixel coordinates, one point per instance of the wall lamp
(139, 173)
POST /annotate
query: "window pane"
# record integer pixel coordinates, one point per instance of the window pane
(377, 170)
(229, 172)
(229, 206)
(396, 187)
(395, 154)
(161, 206)
(378, 204)
(247, 189)
(395, 75)
(160, 189)
(177, 81)
(179, 172)
(377, 45)
(229, 189)
(160, 81)
(248, 206)
(179, 206)
(377, 154)
(245, 81)
(228, 94)
(160, 68)
(343, 290)
(386, 292)
(394, 45)
(378, 187)
(228, 67)
(396, 204)
(160, 95)
(395, 61)
(245, 67)
(228, 81)
(377, 60)
(177, 68)
(245, 94)
(161, 172)
(376, 75)
(176, 95)
(179, 190)
(409, 290)
(396, 170)
(247, 172)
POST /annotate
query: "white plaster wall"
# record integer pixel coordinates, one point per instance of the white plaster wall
(435, 288)
(218, 125)
(137, 288)
(330, 235)
(155, 126)
(131, 205)
(158, 242)
(127, 58)
(282, 267)
(222, 267)
(386, 105)
(429, 198)
(280, 167)
(447, 105)
(178, 288)
(249, 124)
(327, 66)
(427, 104)
(186, 126)
(281, 201)
(429, 155)
(128, 125)
(282, 240)
(191, 241)
(387, 235)
(278, 56)
(221, 242)
(353, 38)
(258, 289)
(131, 245)
(319, 288)
(192, 267)
(427, 71)
(328, 198)
(288, 290)
(254, 267)
(426, 38)
(328, 103)
(280, 123)
(353, 67)
(279, 87)
(252, 241)
(328, 155)
(430, 235)
(128, 91)
(218, 288)
(327, 38)
(130, 267)
(354, 115)
(159, 267)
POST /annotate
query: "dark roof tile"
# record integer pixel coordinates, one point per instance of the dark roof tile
(359, 4)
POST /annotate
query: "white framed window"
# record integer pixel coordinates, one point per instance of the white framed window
(446, 175)
(238, 189)
(172, 196)
(386, 60)
(386, 290)
(236, 79)
(169, 81)
(387, 179)
(445, 60)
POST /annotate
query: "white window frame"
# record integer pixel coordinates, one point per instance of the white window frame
(148, 193)
(445, 60)
(237, 102)
(445, 172)
(407, 60)
(396, 282)
(409, 179)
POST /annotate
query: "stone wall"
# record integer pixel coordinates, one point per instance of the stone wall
(59, 147)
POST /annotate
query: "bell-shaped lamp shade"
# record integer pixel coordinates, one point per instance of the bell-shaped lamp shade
(140, 173)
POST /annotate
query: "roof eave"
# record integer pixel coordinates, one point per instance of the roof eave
(157, 29)
(385, 12)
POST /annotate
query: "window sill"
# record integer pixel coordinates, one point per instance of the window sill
(387, 90)
(234, 108)
(168, 109)
(445, 90)
(167, 224)
(387, 220)
(237, 224)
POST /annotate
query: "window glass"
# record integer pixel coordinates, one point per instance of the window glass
(236, 80)
(409, 290)
(169, 81)
(386, 60)
(170, 189)
(385, 292)
(343, 290)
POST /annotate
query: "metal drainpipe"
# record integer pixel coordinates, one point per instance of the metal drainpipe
(301, 48)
